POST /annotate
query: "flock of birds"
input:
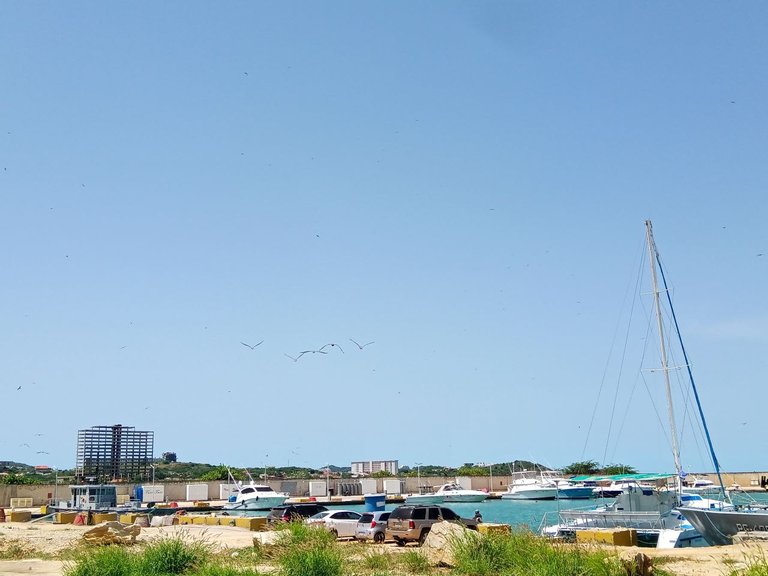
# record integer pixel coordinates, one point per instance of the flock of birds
(321, 350)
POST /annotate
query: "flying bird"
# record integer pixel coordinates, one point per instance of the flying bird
(252, 347)
(361, 346)
(331, 344)
(25, 444)
(296, 359)
(19, 388)
(42, 452)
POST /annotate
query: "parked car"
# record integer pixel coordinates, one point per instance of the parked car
(372, 526)
(294, 512)
(341, 523)
(411, 523)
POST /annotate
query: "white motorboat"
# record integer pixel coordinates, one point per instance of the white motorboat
(254, 496)
(426, 495)
(528, 485)
(453, 492)
(570, 490)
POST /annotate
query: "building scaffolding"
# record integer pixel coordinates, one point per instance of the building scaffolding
(114, 453)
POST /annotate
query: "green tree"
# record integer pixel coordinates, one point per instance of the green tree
(472, 470)
(618, 469)
(382, 474)
(220, 472)
(582, 468)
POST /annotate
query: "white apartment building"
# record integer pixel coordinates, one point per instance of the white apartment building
(365, 468)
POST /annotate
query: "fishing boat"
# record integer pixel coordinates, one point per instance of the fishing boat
(656, 511)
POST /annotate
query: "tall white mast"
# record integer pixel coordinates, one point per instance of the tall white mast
(662, 346)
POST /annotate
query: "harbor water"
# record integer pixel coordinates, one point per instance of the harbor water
(525, 513)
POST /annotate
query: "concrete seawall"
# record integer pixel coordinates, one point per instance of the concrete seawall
(297, 488)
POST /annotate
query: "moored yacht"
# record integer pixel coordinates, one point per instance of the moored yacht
(256, 497)
(453, 492)
(528, 485)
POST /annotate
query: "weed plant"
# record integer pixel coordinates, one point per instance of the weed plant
(377, 561)
(174, 555)
(308, 551)
(220, 570)
(756, 566)
(414, 562)
(524, 553)
(103, 561)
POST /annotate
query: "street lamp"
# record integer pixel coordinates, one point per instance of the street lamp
(418, 475)
(153, 473)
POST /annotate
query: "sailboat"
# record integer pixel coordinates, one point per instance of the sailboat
(653, 511)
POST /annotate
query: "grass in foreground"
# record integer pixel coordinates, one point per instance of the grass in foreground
(306, 551)
(524, 553)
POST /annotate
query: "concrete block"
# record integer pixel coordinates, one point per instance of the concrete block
(251, 523)
(65, 517)
(615, 536)
(199, 520)
(99, 517)
(490, 528)
(184, 519)
(19, 516)
(211, 520)
(128, 518)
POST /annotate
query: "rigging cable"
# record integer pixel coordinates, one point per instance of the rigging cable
(690, 374)
(608, 360)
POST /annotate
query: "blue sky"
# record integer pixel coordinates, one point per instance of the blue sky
(462, 183)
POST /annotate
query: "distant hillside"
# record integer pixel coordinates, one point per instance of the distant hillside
(10, 466)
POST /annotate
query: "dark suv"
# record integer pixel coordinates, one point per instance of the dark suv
(293, 512)
(411, 523)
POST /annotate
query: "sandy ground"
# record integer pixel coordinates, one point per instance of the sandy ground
(46, 540)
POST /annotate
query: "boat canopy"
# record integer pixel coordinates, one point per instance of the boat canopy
(623, 477)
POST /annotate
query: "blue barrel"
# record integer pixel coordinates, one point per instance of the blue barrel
(139, 492)
(374, 502)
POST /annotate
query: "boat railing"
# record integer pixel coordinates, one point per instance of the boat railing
(575, 518)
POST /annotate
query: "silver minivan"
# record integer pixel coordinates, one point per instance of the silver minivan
(372, 526)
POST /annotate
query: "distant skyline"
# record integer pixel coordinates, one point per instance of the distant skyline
(308, 233)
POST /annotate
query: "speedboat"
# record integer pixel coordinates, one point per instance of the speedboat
(453, 492)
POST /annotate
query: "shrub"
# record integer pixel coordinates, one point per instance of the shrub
(306, 560)
(308, 551)
(106, 561)
(524, 553)
(173, 555)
